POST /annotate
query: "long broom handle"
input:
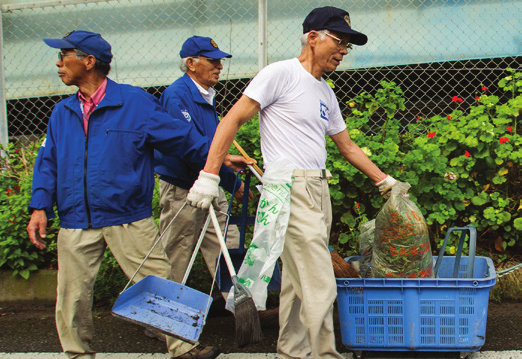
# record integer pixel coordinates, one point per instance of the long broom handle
(256, 167)
(196, 249)
(224, 248)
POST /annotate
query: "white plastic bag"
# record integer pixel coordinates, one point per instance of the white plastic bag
(267, 243)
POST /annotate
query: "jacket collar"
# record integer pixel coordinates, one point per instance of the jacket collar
(112, 98)
(196, 95)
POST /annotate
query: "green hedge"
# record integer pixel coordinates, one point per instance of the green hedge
(464, 168)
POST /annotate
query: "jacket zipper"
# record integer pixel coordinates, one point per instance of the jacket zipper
(85, 172)
(85, 182)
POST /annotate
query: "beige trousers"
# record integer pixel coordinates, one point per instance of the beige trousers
(308, 287)
(80, 253)
(181, 237)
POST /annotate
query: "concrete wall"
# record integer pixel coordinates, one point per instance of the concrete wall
(40, 287)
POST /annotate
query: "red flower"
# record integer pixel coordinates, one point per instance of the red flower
(456, 99)
(449, 117)
(477, 98)
(466, 153)
(485, 88)
(504, 139)
(357, 205)
(389, 275)
(510, 128)
(431, 134)
(418, 117)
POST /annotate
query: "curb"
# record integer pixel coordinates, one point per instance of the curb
(512, 354)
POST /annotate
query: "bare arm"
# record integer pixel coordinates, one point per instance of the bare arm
(244, 109)
(356, 156)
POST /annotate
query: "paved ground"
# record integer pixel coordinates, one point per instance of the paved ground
(28, 331)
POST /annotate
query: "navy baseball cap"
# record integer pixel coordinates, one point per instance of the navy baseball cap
(334, 19)
(205, 46)
(89, 42)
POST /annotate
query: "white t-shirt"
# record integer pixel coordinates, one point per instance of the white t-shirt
(297, 111)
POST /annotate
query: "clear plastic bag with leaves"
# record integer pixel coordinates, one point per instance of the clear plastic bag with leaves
(365, 239)
(402, 246)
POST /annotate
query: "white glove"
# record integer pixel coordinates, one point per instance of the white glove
(385, 184)
(204, 190)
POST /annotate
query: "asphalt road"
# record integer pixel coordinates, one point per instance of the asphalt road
(30, 328)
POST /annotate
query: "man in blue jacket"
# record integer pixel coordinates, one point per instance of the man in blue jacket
(192, 97)
(96, 164)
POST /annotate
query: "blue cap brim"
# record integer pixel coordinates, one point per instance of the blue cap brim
(59, 43)
(215, 54)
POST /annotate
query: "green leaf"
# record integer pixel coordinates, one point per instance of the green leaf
(343, 238)
(25, 273)
(349, 220)
(518, 224)
(479, 200)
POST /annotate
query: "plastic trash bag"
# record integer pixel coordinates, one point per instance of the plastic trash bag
(402, 246)
(365, 239)
(267, 244)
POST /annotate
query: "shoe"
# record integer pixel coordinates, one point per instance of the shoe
(200, 352)
(155, 335)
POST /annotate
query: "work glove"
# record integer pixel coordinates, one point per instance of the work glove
(204, 190)
(385, 185)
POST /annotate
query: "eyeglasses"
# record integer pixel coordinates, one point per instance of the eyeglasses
(61, 55)
(342, 43)
(215, 62)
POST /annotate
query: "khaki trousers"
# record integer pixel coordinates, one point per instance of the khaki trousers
(181, 237)
(80, 253)
(308, 287)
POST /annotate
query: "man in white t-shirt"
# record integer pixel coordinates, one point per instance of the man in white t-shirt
(297, 109)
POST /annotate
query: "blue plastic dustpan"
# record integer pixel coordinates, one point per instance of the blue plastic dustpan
(160, 304)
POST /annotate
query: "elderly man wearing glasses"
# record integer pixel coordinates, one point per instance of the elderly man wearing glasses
(192, 97)
(96, 165)
(297, 109)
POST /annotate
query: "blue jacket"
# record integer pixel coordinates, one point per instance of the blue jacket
(107, 177)
(182, 99)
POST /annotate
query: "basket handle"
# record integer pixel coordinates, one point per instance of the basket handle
(472, 245)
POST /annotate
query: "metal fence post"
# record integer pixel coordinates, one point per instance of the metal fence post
(4, 139)
(262, 36)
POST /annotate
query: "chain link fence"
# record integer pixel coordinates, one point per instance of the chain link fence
(433, 49)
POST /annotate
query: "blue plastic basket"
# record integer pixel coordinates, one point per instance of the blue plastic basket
(439, 314)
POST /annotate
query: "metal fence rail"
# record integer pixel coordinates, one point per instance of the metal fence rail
(433, 49)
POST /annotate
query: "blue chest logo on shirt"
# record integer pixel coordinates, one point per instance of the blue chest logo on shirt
(324, 111)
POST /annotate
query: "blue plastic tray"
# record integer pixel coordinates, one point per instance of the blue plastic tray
(442, 314)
